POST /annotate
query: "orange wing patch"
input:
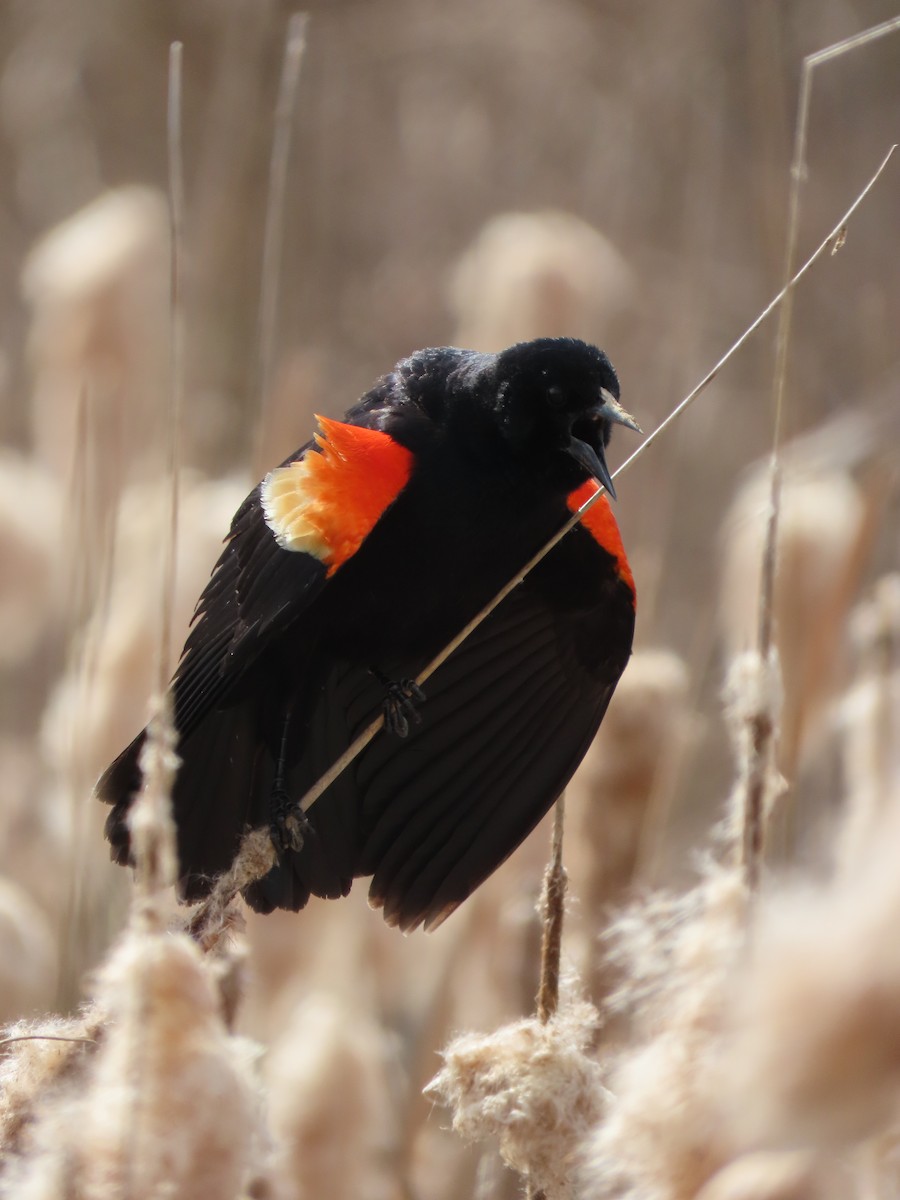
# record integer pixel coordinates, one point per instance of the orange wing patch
(601, 524)
(327, 502)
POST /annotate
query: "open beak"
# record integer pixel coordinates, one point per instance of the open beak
(594, 461)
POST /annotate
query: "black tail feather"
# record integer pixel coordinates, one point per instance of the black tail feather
(210, 820)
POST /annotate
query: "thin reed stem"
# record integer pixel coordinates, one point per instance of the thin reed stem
(360, 743)
(273, 234)
(763, 732)
(45, 1037)
(151, 823)
(176, 318)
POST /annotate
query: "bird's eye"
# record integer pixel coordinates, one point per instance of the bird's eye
(556, 396)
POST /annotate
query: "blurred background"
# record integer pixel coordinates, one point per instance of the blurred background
(461, 173)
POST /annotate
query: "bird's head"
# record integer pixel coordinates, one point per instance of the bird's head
(556, 401)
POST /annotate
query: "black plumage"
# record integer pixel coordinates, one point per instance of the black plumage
(479, 457)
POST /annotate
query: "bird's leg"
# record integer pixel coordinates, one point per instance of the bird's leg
(287, 821)
(400, 703)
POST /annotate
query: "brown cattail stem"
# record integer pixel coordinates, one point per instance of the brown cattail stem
(553, 911)
(553, 908)
(556, 882)
(762, 728)
(762, 731)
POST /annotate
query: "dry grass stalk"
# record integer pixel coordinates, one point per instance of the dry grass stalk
(553, 911)
(150, 819)
(294, 46)
(760, 714)
(176, 345)
(753, 706)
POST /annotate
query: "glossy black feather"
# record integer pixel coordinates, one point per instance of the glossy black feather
(508, 716)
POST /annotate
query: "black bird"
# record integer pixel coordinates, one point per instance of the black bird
(345, 571)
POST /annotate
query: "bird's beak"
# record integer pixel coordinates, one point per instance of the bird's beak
(612, 410)
(594, 461)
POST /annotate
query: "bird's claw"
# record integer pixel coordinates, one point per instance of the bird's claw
(400, 706)
(288, 827)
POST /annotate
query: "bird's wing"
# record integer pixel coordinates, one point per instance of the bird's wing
(291, 533)
(508, 719)
(256, 589)
(296, 529)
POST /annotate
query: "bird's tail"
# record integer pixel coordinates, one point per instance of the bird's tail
(210, 820)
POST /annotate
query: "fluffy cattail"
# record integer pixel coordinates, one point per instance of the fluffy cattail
(330, 1105)
(781, 1175)
(97, 287)
(172, 1103)
(39, 1060)
(813, 1050)
(167, 1106)
(820, 533)
(623, 780)
(870, 721)
(533, 1086)
(534, 275)
(660, 1138)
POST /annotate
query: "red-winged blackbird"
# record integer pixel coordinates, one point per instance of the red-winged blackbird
(346, 570)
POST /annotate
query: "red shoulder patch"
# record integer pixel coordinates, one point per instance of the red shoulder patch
(601, 524)
(327, 502)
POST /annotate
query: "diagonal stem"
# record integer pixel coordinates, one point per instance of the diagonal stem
(360, 743)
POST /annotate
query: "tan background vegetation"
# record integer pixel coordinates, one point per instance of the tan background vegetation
(666, 129)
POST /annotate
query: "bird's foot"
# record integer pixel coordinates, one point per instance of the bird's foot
(288, 825)
(401, 701)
